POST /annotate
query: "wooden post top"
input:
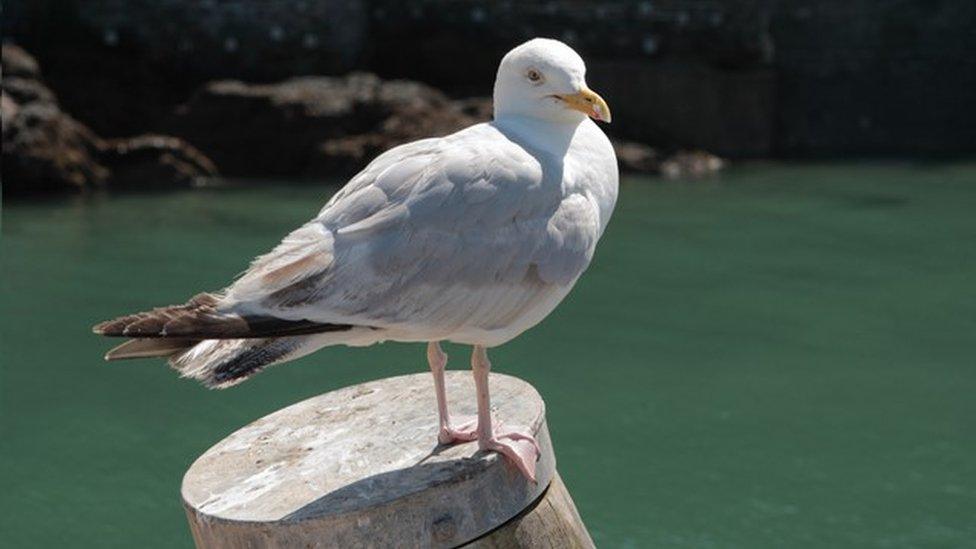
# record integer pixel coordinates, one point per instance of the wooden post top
(361, 466)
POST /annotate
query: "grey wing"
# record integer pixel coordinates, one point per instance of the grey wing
(433, 236)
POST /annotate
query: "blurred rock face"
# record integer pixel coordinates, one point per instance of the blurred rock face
(46, 150)
(43, 148)
(312, 126)
(309, 127)
(120, 67)
(743, 78)
(324, 127)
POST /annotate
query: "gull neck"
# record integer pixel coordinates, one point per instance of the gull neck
(550, 136)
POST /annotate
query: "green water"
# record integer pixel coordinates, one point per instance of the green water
(780, 357)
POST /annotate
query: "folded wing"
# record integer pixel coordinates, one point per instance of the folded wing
(434, 235)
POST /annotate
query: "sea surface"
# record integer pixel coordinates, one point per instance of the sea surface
(781, 356)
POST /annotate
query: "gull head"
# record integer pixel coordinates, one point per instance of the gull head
(546, 79)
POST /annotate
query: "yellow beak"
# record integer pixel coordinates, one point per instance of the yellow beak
(589, 103)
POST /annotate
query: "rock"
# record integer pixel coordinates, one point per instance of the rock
(271, 129)
(312, 126)
(18, 63)
(689, 164)
(43, 148)
(479, 108)
(25, 90)
(637, 158)
(407, 121)
(155, 160)
(643, 159)
(8, 107)
(324, 127)
(46, 150)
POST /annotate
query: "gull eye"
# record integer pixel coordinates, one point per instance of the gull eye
(534, 76)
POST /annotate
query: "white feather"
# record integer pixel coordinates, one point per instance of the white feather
(473, 237)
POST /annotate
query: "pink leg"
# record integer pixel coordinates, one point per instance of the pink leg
(519, 447)
(447, 434)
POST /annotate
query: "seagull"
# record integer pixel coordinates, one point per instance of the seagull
(471, 238)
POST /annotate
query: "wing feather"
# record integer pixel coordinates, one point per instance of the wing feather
(468, 230)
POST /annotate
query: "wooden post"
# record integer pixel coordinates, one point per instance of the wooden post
(360, 467)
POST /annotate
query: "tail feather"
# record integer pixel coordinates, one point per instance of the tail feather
(209, 342)
(222, 363)
(203, 317)
(146, 348)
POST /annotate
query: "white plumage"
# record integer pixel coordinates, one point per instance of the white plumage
(472, 238)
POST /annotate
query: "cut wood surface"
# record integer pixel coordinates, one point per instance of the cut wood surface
(361, 467)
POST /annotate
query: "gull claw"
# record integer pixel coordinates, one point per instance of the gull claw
(466, 431)
(521, 449)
